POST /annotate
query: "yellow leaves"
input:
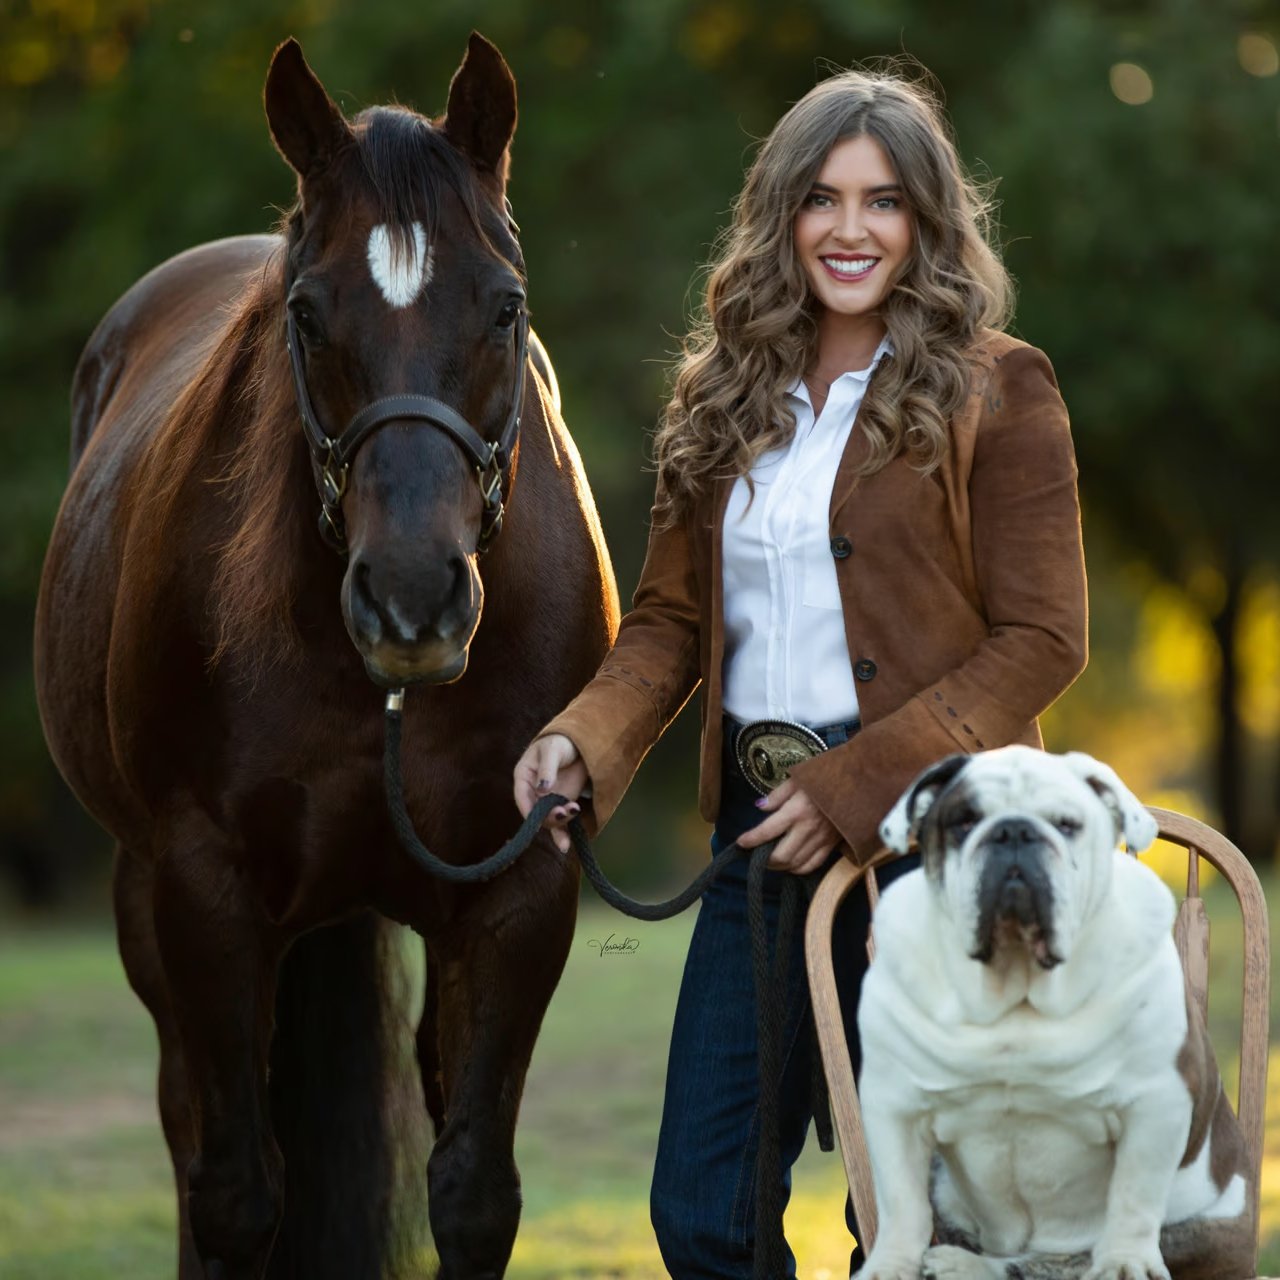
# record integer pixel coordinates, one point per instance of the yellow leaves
(105, 57)
(86, 39)
(1175, 655)
(26, 61)
(1260, 660)
(713, 33)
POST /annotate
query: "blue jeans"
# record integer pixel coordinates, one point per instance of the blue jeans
(702, 1202)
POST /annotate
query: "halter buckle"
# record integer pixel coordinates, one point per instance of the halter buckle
(490, 486)
(333, 481)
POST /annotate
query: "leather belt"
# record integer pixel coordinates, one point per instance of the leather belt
(767, 750)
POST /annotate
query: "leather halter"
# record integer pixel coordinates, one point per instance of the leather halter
(333, 455)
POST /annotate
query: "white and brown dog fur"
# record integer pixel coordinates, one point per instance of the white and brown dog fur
(1039, 1094)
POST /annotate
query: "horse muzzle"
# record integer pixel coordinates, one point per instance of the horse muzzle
(413, 627)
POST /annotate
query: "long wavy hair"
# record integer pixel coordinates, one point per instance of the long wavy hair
(759, 331)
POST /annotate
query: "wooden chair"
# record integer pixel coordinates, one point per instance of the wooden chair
(1191, 933)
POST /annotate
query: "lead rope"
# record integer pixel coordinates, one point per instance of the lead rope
(770, 981)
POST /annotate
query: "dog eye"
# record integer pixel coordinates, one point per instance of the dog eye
(1068, 826)
(964, 822)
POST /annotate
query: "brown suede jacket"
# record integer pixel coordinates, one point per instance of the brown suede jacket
(964, 607)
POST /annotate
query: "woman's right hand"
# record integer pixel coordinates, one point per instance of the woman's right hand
(551, 764)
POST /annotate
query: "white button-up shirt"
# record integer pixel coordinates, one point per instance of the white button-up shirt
(786, 656)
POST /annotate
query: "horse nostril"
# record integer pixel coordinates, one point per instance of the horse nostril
(365, 606)
(460, 589)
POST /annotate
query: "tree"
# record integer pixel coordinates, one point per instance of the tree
(1146, 149)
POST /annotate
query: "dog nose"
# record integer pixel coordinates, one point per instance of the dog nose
(1014, 833)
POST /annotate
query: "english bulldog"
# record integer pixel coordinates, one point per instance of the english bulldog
(1038, 1092)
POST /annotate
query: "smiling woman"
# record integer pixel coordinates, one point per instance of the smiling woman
(852, 237)
(866, 547)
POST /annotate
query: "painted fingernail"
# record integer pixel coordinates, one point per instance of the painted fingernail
(544, 784)
(764, 800)
(574, 810)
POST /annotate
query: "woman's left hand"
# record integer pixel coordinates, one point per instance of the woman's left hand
(805, 835)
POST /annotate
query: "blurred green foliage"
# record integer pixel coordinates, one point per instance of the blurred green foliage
(1143, 233)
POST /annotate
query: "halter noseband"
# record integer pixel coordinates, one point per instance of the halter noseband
(333, 454)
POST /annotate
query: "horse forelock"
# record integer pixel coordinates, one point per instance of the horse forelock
(409, 164)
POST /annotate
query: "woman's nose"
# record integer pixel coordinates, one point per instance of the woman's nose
(850, 229)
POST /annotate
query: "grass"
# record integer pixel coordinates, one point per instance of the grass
(85, 1189)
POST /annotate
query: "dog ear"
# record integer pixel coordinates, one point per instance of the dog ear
(902, 825)
(1132, 820)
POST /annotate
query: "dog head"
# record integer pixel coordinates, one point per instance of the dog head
(1018, 844)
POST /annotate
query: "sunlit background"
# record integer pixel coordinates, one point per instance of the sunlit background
(1136, 151)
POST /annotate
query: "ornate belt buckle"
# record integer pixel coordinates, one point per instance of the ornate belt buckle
(767, 751)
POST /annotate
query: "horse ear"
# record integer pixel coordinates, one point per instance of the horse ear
(306, 124)
(481, 116)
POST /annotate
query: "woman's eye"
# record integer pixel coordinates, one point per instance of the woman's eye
(817, 200)
(886, 203)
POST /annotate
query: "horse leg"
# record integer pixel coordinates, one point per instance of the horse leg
(428, 1046)
(220, 961)
(133, 891)
(497, 970)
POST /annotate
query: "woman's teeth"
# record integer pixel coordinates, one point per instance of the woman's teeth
(846, 267)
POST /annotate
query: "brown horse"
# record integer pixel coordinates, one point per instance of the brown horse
(203, 696)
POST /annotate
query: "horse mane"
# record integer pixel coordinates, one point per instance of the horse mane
(267, 479)
(233, 427)
(240, 409)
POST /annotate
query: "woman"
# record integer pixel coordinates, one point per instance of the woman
(866, 527)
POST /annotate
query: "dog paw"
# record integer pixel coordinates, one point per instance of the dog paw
(887, 1268)
(946, 1262)
(1128, 1264)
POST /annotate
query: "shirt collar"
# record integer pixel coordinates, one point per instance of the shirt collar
(800, 392)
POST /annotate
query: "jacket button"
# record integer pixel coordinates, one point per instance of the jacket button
(864, 669)
(841, 547)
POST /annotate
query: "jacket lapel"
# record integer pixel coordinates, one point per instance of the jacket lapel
(856, 450)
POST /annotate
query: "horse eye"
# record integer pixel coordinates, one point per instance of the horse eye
(308, 324)
(509, 314)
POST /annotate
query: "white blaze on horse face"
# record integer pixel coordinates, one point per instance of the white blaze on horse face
(401, 271)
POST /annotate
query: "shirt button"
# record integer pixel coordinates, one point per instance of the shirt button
(864, 669)
(841, 547)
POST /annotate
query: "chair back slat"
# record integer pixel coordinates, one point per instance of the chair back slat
(1191, 935)
(1255, 1006)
